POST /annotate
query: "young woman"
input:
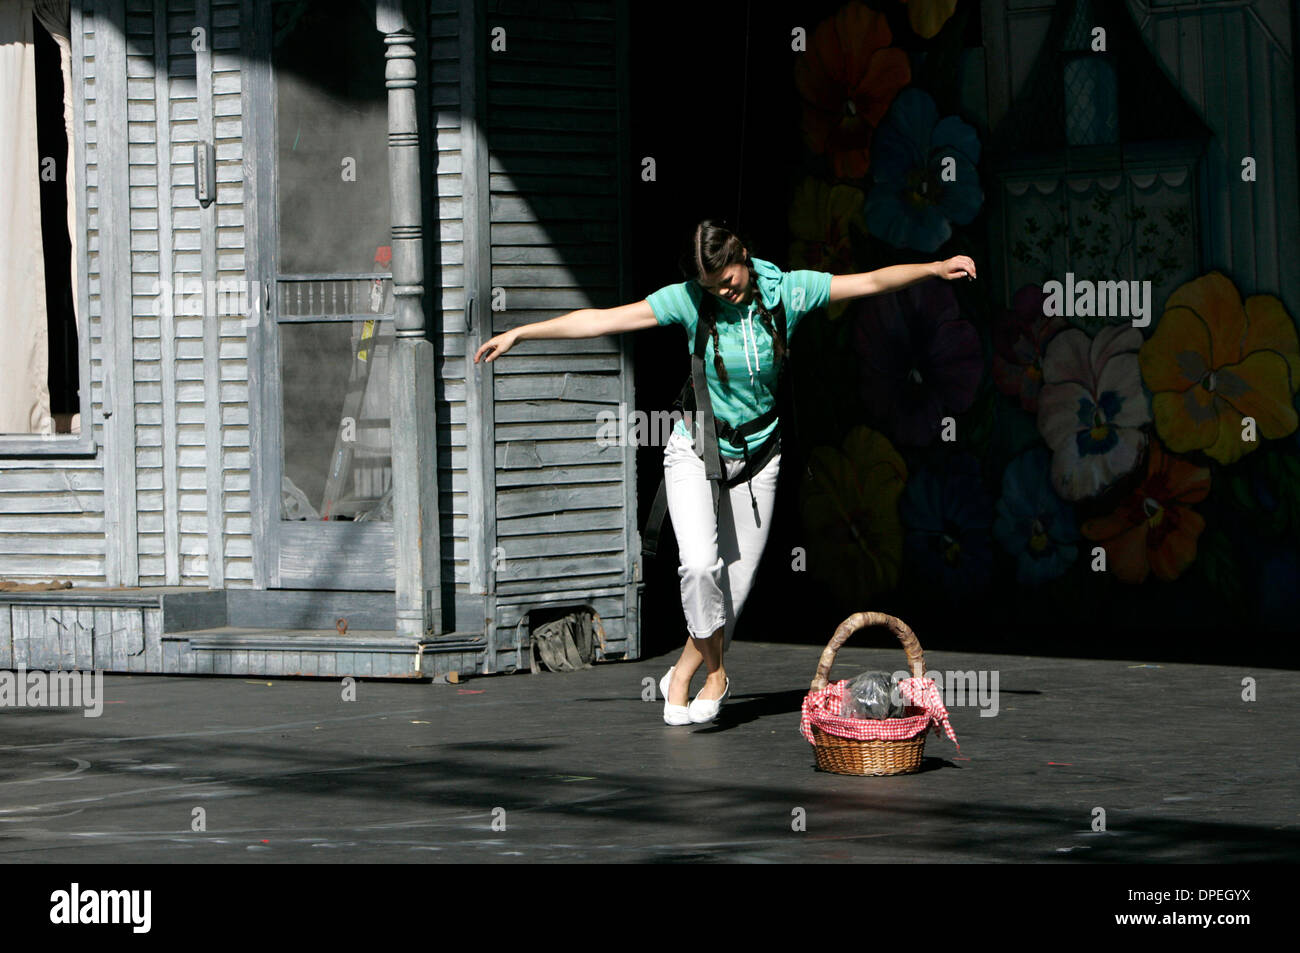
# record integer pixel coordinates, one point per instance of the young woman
(720, 555)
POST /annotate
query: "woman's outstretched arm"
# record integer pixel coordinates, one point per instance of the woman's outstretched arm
(898, 276)
(583, 323)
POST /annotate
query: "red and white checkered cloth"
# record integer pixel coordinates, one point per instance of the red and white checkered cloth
(823, 709)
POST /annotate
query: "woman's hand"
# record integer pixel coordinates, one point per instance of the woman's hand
(496, 346)
(956, 268)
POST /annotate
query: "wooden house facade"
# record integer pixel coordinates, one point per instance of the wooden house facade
(292, 224)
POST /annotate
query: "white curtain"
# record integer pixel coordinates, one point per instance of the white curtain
(24, 360)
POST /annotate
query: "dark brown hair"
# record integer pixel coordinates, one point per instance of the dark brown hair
(714, 247)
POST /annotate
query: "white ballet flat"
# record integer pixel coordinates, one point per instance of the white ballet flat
(673, 714)
(706, 709)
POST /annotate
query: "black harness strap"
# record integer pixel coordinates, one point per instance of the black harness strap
(700, 413)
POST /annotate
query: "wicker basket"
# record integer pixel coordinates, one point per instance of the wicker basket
(874, 757)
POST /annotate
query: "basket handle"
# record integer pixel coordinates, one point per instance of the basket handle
(861, 620)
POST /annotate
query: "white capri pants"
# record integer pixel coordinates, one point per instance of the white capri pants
(718, 557)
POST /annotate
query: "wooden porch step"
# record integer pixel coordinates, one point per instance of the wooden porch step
(196, 608)
(365, 653)
(245, 639)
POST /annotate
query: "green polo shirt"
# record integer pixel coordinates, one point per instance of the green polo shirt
(743, 341)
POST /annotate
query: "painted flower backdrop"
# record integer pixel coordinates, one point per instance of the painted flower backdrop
(982, 449)
(920, 360)
(849, 504)
(1020, 344)
(927, 17)
(848, 77)
(1091, 411)
(1215, 361)
(924, 173)
(1155, 528)
(822, 217)
(948, 516)
(1033, 524)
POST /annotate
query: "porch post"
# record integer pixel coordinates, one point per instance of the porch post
(415, 451)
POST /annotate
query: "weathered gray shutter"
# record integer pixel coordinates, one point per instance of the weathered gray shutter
(552, 120)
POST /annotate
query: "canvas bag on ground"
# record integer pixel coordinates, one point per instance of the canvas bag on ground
(566, 644)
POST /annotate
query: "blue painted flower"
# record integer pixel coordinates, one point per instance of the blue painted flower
(948, 516)
(913, 202)
(1276, 595)
(1033, 523)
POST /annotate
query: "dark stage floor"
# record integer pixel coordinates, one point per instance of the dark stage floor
(583, 769)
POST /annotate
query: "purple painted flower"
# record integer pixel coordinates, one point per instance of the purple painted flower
(1019, 343)
(921, 360)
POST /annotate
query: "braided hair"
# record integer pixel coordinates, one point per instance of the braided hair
(717, 247)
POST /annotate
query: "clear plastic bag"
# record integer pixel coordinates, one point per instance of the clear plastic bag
(873, 695)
